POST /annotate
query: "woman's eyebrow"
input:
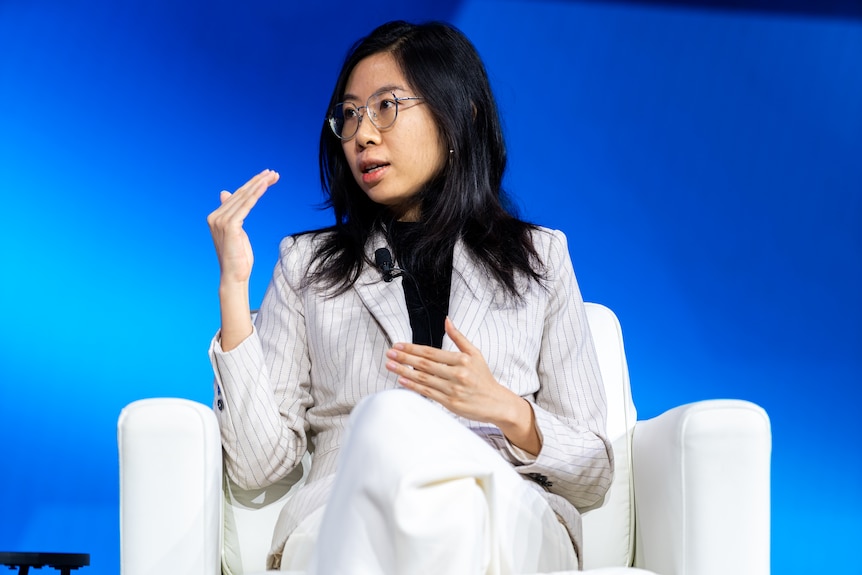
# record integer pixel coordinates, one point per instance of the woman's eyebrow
(387, 88)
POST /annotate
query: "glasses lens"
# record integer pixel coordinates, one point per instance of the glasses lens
(344, 120)
(383, 109)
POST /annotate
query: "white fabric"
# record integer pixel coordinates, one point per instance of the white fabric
(301, 544)
(250, 517)
(609, 528)
(702, 489)
(417, 492)
(170, 488)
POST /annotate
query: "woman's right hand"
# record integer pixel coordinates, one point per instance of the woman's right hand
(235, 256)
(232, 245)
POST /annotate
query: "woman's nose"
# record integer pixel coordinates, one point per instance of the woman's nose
(367, 132)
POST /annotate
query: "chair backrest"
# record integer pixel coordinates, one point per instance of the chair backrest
(250, 516)
(609, 529)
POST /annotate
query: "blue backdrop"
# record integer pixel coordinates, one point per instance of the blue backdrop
(704, 162)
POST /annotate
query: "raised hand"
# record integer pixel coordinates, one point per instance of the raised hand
(462, 382)
(235, 255)
(232, 245)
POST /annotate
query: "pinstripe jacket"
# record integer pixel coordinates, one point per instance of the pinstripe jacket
(291, 385)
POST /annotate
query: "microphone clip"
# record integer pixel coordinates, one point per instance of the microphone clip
(383, 261)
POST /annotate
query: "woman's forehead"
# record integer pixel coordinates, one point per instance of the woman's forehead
(375, 73)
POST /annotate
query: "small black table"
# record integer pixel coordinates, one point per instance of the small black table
(62, 562)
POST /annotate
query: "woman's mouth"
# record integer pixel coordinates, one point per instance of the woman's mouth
(372, 173)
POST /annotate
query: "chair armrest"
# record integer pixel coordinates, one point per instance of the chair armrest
(170, 488)
(701, 474)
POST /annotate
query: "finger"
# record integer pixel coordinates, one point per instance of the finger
(411, 367)
(424, 391)
(419, 350)
(250, 192)
(402, 370)
(267, 176)
(423, 357)
(417, 380)
(461, 342)
(263, 180)
(236, 206)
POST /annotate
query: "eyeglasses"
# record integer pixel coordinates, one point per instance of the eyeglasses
(382, 109)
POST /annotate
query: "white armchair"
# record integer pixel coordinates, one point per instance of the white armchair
(690, 495)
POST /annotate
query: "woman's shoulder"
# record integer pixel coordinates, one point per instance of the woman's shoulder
(305, 241)
(297, 251)
(550, 244)
(547, 235)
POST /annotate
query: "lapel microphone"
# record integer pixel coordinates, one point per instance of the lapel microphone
(383, 261)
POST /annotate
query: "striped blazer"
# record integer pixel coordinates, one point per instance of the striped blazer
(291, 385)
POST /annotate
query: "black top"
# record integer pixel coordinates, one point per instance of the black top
(427, 296)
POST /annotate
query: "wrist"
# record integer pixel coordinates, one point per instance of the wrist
(519, 425)
(233, 287)
(236, 323)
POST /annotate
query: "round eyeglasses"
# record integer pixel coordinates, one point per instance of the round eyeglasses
(382, 110)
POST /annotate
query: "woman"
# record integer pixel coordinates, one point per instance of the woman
(479, 314)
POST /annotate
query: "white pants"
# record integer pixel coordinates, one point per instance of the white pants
(417, 492)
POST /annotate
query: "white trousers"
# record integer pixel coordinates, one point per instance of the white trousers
(417, 492)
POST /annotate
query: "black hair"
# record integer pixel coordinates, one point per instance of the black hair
(465, 200)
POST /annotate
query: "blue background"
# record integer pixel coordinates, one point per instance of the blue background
(705, 161)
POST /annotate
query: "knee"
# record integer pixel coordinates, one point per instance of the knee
(394, 421)
(389, 412)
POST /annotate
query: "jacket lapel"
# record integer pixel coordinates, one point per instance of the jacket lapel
(384, 300)
(470, 297)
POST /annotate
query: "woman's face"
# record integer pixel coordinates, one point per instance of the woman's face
(391, 165)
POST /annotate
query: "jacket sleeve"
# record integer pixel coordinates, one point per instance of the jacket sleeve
(262, 387)
(576, 459)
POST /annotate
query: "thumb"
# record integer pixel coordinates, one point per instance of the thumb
(224, 195)
(461, 342)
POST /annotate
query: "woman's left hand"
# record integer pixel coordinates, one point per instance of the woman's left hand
(462, 382)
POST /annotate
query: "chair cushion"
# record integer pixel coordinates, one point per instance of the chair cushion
(249, 521)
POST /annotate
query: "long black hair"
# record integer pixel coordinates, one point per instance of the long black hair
(465, 200)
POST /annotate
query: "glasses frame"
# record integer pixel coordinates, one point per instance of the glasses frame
(396, 99)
